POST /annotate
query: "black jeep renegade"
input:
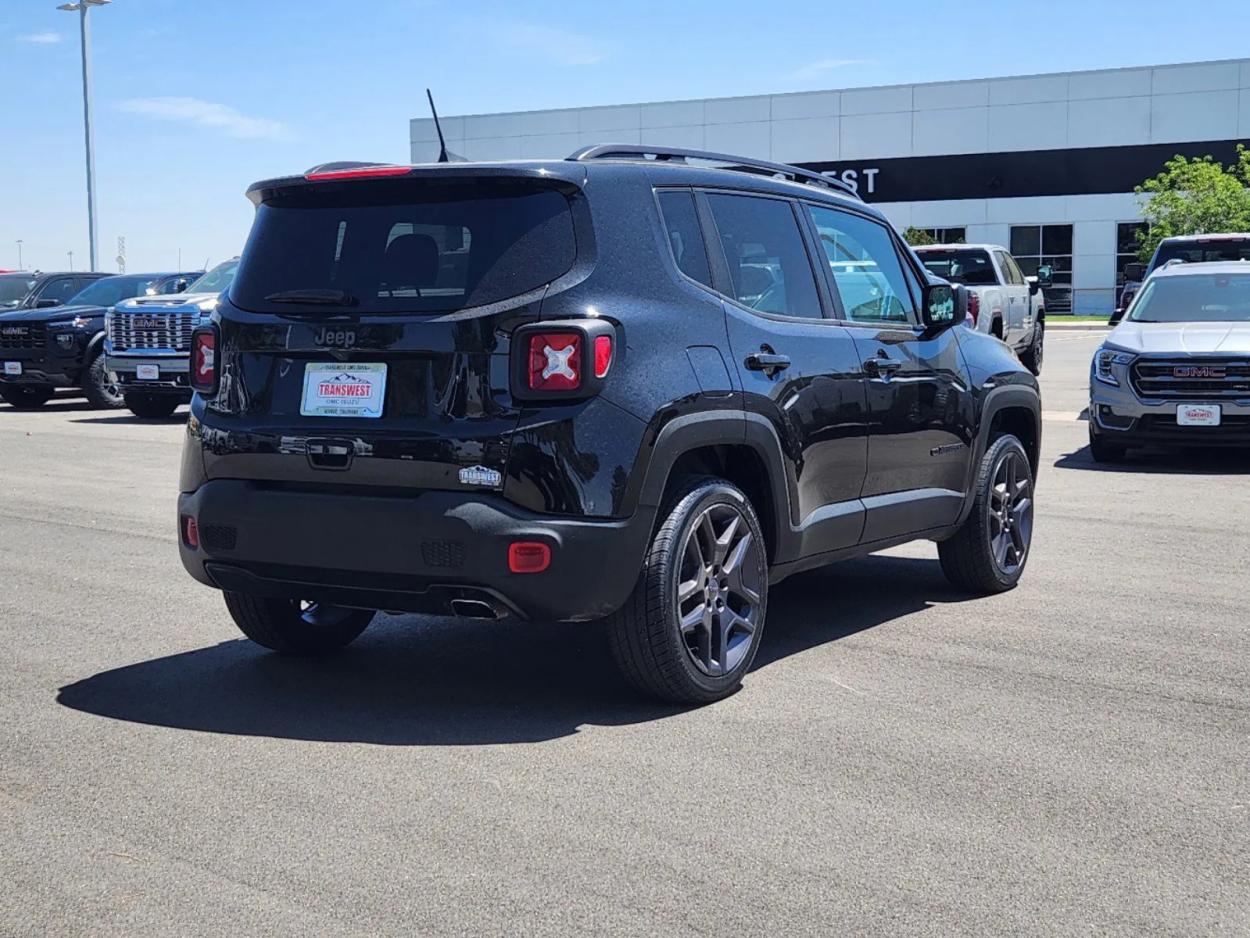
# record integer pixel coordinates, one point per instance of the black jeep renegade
(630, 385)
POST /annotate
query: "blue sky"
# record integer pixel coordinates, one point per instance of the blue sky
(195, 99)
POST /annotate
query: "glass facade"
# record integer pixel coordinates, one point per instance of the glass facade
(1051, 245)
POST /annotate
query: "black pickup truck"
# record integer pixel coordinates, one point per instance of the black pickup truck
(47, 345)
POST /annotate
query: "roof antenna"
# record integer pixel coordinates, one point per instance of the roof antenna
(444, 156)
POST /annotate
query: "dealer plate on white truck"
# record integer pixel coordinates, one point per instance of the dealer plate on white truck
(1197, 415)
(12, 368)
(148, 372)
(332, 389)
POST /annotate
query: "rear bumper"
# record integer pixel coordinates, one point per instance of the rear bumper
(413, 553)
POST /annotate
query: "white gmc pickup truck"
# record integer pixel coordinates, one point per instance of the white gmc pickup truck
(1001, 300)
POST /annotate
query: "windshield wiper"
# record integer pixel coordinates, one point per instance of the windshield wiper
(319, 297)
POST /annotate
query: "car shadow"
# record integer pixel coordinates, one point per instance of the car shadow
(57, 405)
(416, 681)
(1158, 461)
(128, 419)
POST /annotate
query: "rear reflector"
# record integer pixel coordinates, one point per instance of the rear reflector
(528, 557)
(974, 306)
(555, 361)
(190, 532)
(603, 355)
(364, 173)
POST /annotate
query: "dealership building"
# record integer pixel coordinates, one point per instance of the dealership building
(1043, 164)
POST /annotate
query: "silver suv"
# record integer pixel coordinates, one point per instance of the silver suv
(1176, 371)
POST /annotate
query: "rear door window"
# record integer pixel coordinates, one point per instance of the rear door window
(768, 264)
(685, 237)
(406, 246)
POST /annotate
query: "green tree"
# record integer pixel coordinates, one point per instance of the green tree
(1194, 196)
(918, 236)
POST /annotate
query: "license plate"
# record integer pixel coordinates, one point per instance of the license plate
(334, 390)
(1198, 415)
(148, 372)
(12, 368)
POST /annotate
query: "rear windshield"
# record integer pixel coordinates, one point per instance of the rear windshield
(972, 268)
(404, 246)
(1193, 252)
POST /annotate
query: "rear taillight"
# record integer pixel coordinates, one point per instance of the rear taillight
(603, 355)
(555, 361)
(204, 360)
(974, 306)
(566, 359)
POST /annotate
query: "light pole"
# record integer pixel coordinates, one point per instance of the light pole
(19, 255)
(70, 254)
(82, 7)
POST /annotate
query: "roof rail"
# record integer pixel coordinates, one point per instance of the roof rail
(742, 164)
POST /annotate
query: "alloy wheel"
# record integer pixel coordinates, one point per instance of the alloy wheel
(718, 590)
(1011, 513)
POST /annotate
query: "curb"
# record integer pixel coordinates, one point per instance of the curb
(1052, 325)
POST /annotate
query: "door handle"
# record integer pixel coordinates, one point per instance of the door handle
(881, 366)
(767, 361)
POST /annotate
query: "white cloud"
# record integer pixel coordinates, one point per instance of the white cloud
(814, 70)
(41, 39)
(561, 46)
(208, 114)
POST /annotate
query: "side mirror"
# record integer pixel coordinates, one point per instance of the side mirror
(1134, 272)
(1044, 276)
(1116, 316)
(941, 305)
(46, 304)
(1034, 286)
(180, 286)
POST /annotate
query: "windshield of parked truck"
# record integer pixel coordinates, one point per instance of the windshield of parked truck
(1195, 252)
(13, 289)
(1194, 298)
(217, 279)
(972, 268)
(110, 291)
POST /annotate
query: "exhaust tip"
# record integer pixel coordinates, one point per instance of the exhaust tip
(473, 609)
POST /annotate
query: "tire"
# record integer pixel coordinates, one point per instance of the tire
(1032, 356)
(100, 386)
(1105, 452)
(709, 545)
(290, 627)
(151, 406)
(25, 396)
(988, 554)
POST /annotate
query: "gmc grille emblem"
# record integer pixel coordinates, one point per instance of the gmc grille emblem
(148, 322)
(14, 330)
(1199, 371)
(335, 338)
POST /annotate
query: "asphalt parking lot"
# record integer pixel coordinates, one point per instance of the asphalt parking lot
(1071, 757)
